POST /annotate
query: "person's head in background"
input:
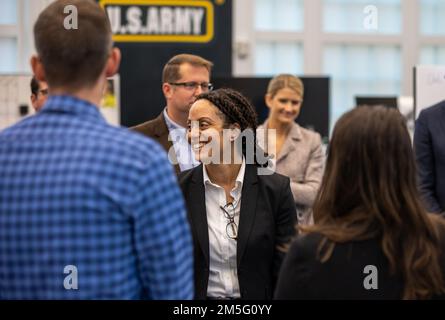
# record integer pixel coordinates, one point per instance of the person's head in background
(284, 98)
(74, 61)
(185, 76)
(369, 191)
(39, 93)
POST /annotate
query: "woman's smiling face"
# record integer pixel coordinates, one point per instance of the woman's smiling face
(205, 130)
(285, 105)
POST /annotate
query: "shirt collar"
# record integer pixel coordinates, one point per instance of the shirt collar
(294, 132)
(72, 105)
(170, 123)
(239, 178)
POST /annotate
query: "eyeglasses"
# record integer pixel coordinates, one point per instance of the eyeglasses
(231, 227)
(205, 86)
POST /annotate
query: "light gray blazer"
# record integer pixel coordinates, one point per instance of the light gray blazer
(301, 159)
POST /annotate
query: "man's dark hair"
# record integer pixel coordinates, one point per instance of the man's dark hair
(73, 58)
(34, 86)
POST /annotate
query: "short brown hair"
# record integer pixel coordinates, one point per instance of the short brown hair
(73, 58)
(285, 81)
(171, 68)
(34, 86)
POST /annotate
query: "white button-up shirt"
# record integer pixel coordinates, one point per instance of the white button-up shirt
(183, 150)
(223, 275)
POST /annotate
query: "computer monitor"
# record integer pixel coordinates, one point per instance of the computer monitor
(314, 112)
(390, 102)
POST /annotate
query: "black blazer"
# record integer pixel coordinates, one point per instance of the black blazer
(343, 276)
(430, 155)
(267, 220)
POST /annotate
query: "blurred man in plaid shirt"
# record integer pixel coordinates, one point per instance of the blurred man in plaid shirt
(87, 210)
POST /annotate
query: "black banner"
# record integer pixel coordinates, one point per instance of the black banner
(150, 32)
(224, 309)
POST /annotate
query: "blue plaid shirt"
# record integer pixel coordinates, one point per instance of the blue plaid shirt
(89, 206)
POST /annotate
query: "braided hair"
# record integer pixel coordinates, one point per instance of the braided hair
(236, 109)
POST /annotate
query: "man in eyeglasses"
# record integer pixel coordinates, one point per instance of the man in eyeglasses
(184, 77)
(39, 93)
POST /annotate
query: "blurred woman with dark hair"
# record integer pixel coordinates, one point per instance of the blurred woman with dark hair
(372, 238)
(241, 219)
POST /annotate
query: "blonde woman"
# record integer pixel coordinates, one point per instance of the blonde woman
(297, 151)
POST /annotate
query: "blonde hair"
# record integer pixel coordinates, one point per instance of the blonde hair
(282, 81)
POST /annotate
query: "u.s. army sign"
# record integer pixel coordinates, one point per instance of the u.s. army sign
(160, 20)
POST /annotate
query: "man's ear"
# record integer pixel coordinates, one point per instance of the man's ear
(37, 68)
(113, 62)
(167, 89)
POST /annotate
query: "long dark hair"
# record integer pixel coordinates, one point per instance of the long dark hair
(369, 191)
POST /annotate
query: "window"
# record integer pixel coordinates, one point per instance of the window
(336, 38)
(433, 55)
(272, 58)
(283, 18)
(8, 36)
(351, 16)
(361, 70)
(8, 12)
(279, 15)
(8, 61)
(432, 15)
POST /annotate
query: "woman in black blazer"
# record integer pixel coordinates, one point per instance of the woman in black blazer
(372, 238)
(242, 215)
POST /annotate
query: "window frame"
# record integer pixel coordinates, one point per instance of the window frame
(313, 39)
(22, 31)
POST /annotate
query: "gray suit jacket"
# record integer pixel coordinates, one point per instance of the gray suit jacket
(302, 160)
